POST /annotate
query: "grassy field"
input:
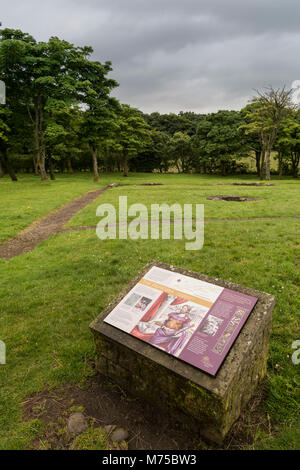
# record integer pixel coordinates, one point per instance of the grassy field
(49, 296)
(28, 199)
(277, 201)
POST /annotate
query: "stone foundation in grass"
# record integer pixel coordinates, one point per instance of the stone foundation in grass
(212, 404)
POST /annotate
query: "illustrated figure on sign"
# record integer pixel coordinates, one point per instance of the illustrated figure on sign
(172, 333)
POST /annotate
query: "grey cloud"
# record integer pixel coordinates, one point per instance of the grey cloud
(172, 55)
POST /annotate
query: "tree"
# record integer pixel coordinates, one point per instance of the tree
(252, 137)
(99, 116)
(4, 129)
(160, 144)
(155, 155)
(288, 143)
(272, 106)
(37, 72)
(133, 134)
(219, 142)
(171, 123)
(11, 50)
(5, 164)
(62, 134)
(180, 151)
(99, 125)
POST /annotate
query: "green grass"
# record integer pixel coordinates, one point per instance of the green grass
(23, 202)
(92, 439)
(49, 296)
(287, 438)
(28, 199)
(277, 201)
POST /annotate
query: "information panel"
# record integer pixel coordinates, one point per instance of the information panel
(193, 320)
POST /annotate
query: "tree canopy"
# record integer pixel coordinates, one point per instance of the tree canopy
(59, 114)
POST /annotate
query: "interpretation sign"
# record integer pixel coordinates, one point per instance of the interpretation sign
(190, 319)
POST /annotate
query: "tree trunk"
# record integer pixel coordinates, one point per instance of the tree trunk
(35, 166)
(1, 170)
(52, 175)
(268, 170)
(125, 164)
(280, 166)
(40, 152)
(41, 163)
(262, 165)
(295, 159)
(70, 169)
(95, 163)
(257, 159)
(36, 147)
(7, 165)
(42, 168)
(183, 164)
(39, 141)
(177, 165)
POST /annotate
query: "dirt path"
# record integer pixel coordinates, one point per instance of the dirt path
(46, 227)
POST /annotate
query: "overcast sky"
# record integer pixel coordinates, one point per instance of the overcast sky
(172, 55)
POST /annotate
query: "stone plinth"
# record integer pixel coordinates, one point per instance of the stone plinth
(187, 393)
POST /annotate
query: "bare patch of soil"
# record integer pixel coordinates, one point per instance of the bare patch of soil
(246, 184)
(254, 184)
(221, 197)
(104, 403)
(46, 227)
(150, 184)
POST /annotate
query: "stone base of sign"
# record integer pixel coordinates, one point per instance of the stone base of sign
(175, 387)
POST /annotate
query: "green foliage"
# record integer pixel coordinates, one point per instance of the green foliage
(286, 439)
(4, 129)
(45, 77)
(132, 134)
(263, 119)
(92, 439)
(218, 142)
(181, 151)
(185, 122)
(155, 155)
(21, 438)
(288, 143)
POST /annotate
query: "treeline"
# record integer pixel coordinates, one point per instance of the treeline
(59, 115)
